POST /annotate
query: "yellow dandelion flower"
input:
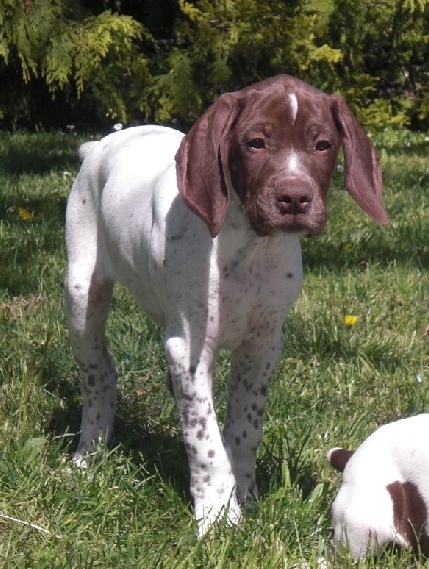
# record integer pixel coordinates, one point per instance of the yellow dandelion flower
(24, 214)
(350, 320)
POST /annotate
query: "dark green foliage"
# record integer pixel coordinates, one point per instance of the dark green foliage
(384, 68)
(56, 47)
(224, 46)
(83, 62)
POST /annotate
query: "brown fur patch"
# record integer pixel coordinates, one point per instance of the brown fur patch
(410, 515)
(339, 457)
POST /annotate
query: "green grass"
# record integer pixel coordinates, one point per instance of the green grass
(336, 383)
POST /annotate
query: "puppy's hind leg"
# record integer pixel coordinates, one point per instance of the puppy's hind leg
(87, 295)
(86, 304)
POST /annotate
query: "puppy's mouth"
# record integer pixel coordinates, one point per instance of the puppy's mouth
(279, 219)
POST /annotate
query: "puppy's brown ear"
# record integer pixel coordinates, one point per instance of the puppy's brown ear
(363, 178)
(339, 457)
(202, 163)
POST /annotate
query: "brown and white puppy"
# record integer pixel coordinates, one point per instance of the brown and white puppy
(384, 497)
(204, 230)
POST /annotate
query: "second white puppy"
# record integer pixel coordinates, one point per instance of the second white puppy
(384, 497)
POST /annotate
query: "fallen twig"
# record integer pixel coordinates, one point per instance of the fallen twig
(28, 524)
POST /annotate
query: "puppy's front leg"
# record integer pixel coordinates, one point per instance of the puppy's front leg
(212, 476)
(253, 365)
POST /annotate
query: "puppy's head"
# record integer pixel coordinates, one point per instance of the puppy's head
(275, 144)
(368, 513)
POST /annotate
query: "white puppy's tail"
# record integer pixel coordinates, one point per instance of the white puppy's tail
(85, 149)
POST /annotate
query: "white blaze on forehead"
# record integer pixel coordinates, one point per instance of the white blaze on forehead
(293, 105)
(293, 163)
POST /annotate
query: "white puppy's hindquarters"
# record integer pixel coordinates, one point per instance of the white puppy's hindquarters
(384, 497)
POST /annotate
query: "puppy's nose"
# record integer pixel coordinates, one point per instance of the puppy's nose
(294, 198)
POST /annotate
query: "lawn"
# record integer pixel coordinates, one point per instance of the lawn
(339, 378)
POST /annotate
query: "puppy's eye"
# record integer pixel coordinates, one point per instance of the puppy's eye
(256, 143)
(322, 145)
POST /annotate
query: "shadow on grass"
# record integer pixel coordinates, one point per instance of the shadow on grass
(271, 465)
(405, 244)
(160, 448)
(27, 153)
(334, 259)
(156, 447)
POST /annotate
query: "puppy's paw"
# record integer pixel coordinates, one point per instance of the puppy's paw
(207, 515)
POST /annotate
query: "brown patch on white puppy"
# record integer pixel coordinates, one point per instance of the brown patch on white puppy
(384, 497)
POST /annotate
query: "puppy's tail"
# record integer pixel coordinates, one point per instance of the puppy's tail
(85, 149)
